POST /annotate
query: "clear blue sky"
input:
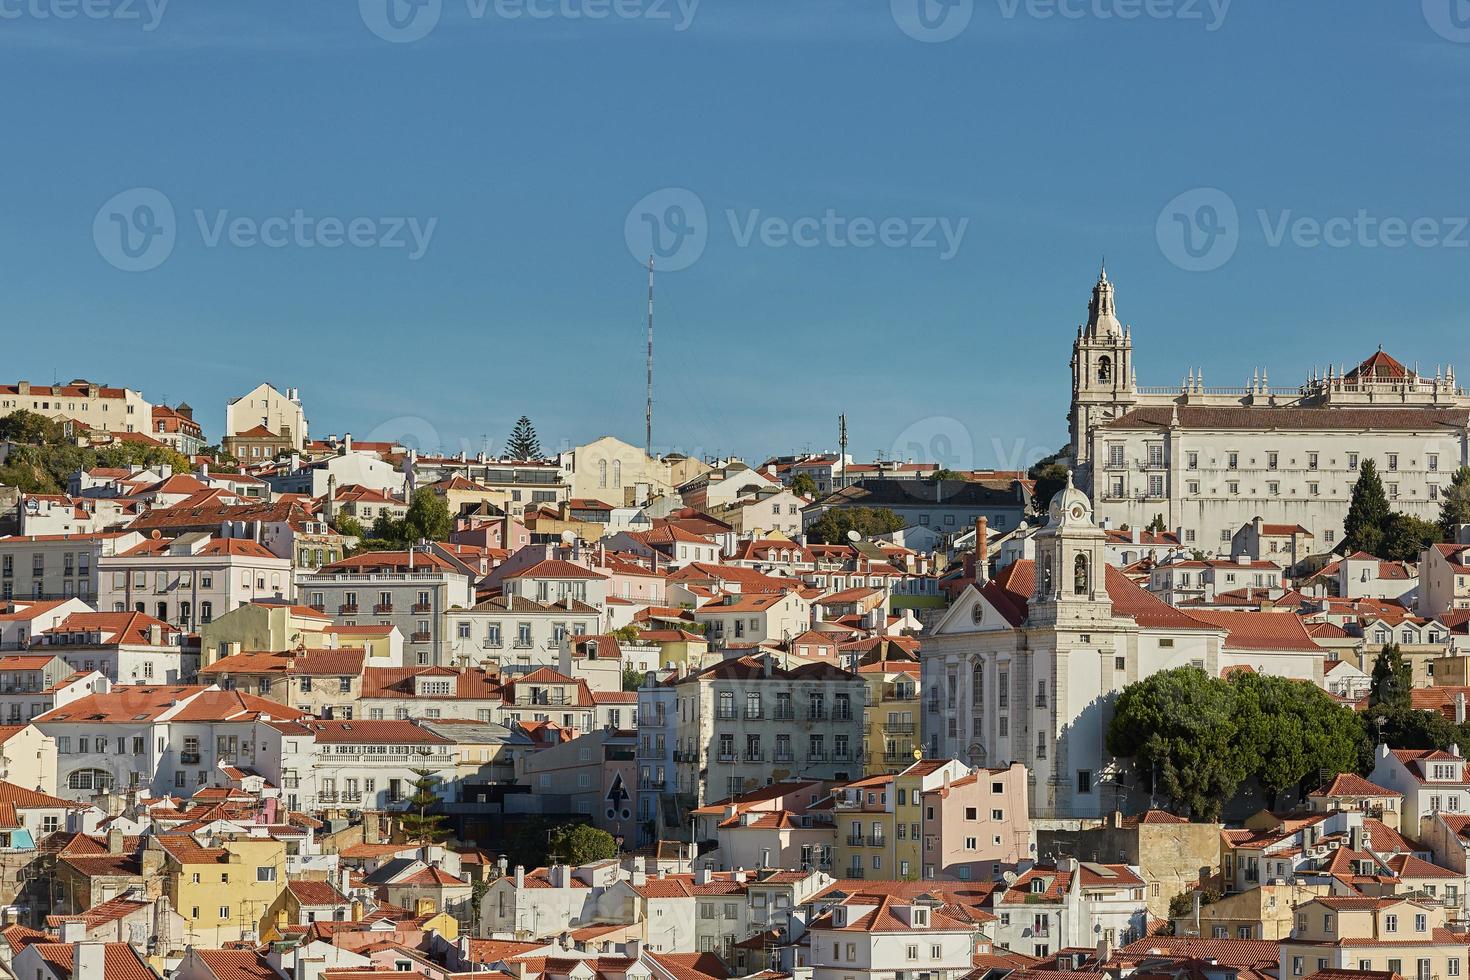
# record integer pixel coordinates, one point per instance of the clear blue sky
(1057, 139)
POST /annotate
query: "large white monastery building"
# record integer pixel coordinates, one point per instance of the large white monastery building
(1210, 460)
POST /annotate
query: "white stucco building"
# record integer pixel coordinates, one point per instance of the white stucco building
(1210, 460)
(279, 411)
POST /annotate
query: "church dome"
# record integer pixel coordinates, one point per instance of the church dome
(1070, 507)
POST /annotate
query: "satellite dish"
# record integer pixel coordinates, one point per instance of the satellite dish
(568, 536)
(1022, 526)
(854, 537)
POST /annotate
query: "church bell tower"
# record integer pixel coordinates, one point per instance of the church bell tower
(1071, 565)
(1104, 385)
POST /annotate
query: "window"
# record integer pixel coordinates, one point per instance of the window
(1393, 461)
(1084, 781)
(1232, 461)
(1312, 460)
(265, 874)
(1390, 923)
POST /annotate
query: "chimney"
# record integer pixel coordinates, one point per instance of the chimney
(1460, 708)
(982, 550)
(73, 930)
(114, 841)
(520, 877)
(347, 442)
(89, 961)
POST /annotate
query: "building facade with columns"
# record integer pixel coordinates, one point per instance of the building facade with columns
(1026, 667)
(1211, 460)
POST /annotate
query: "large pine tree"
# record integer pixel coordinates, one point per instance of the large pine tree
(522, 443)
(1456, 507)
(419, 825)
(1368, 513)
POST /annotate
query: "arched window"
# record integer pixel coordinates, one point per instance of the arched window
(93, 779)
(1046, 576)
(617, 472)
(602, 472)
(1105, 370)
(1082, 581)
(977, 686)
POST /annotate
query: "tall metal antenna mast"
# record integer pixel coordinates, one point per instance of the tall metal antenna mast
(648, 410)
(842, 448)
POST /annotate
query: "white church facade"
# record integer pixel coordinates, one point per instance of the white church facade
(1211, 460)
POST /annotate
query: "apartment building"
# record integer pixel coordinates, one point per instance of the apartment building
(1444, 579)
(325, 683)
(1400, 936)
(95, 405)
(188, 580)
(348, 766)
(412, 590)
(265, 405)
(750, 720)
(23, 620)
(874, 937)
(1430, 779)
(226, 894)
(31, 685)
(975, 822)
(58, 566)
(1068, 905)
(516, 634)
(592, 777)
(126, 647)
(160, 739)
(737, 619)
(891, 714)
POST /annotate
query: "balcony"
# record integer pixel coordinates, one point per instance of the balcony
(544, 700)
(816, 756)
(856, 873)
(784, 714)
(816, 714)
(189, 758)
(842, 714)
(785, 757)
(351, 797)
(320, 607)
(1041, 700)
(722, 715)
(756, 756)
(420, 637)
(347, 609)
(291, 782)
(726, 757)
(753, 714)
(383, 607)
(326, 797)
(855, 840)
(899, 727)
(878, 841)
(423, 607)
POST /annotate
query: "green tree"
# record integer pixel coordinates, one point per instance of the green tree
(632, 678)
(1405, 537)
(580, 843)
(1456, 507)
(1179, 728)
(1393, 680)
(350, 526)
(627, 634)
(804, 485)
(1291, 730)
(1050, 481)
(1368, 512)
(418, 824)
(389, 529)
(832, 527)
(523, 443)
(945, 474)
(30, 428)
(1157, 525)
(428, 517)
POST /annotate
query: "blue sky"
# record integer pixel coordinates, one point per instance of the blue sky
(524, 146)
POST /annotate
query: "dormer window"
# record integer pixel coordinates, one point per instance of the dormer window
(921, 918)
(1037, 886)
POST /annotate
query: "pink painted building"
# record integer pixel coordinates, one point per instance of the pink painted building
(977, 824)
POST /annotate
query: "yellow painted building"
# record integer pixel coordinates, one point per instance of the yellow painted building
(891, 716)
(226, 893)
(270, 627)
(864, 818)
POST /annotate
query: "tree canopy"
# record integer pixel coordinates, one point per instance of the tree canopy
(1196, 738)
(523, 444)
(418, 824)
(804, 485)
(1368, 513)
(42, 458)
(832, 527)
(1455, 509)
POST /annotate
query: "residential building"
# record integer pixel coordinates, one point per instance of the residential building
(125, 647)
(1070, 905)
(188, 580)
(1430, 780)
(615, 472)
(348, 766)
(752, 719)
(1398, 936)
(412, 590)
(58, 566)
(94, 405)
(266, 406)
(176, 428)
(973, 823)
(948, 506)
(869, 937)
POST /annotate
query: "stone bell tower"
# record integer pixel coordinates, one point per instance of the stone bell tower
(1071, 565)
(1104, 385)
